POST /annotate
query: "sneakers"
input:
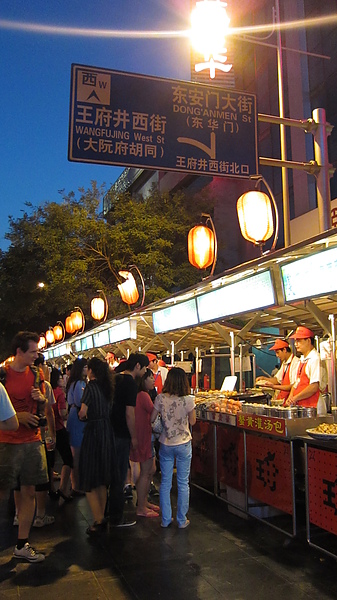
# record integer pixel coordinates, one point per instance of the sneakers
(124, 523)
(28, 553)
(42, 521)
(184, 525)
(128, 495)
(153, 490)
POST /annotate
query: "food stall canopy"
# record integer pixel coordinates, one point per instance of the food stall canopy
(283, 289)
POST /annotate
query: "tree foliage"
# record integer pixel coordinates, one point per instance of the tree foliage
(74, 250)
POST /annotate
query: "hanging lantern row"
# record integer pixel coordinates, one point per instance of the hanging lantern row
(75, 322)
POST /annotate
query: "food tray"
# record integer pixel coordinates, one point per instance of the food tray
(317, 435)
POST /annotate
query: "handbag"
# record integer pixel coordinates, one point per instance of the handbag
(157, 425)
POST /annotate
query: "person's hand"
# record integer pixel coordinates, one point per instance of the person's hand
(28, 420)
(36, 395)
(134, 443)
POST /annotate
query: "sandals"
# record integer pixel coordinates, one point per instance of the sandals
(97, 528)
(149, 514)
(63, 498)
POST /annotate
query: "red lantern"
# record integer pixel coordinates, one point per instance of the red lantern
(128, 289)
(50, 336)
(42, 342)
(255, 216)
(69, 325)
(77, 320)
(58, 333)
(201, 246)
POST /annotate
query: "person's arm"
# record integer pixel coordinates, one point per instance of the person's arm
(131, 423)
(310, 390)
(11, 424)
(154, 414)
(192, 418)
(82, 415)
(271, 380)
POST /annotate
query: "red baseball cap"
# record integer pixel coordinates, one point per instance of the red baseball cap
(151, 356)
(279, 345)
(302, 333)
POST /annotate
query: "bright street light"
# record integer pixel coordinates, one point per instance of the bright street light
(209, 25)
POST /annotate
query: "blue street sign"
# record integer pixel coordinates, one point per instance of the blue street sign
(133, 120)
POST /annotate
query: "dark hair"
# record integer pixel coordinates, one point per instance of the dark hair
(39, 360)
(141, 386)
(54, 377)
(176, 383)
(76, 371)
(21, 341)
(103, 376)
(134, 359)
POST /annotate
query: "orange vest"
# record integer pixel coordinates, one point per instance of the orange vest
(302, 384)
(283, 394)
(158, 382)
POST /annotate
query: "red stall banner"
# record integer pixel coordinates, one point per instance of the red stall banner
(230, 458)
(269, 472)
(262, 424)
(202, 467)
(322, 488)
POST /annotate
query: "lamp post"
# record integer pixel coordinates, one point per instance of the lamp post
(283, 142)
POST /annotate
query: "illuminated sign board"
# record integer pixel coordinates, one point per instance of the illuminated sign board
(135, 120)
(101, 338)
(123, 331)
(246, 295)
(175, 316)
(313, 275)
(87, 343)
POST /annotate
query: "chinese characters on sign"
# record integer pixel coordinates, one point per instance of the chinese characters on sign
(134, 120)
(270, 425)
(322, 488)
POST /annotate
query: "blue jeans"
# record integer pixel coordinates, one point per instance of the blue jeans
(182, 454)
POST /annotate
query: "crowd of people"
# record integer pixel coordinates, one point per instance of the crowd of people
(98, 416)
(111, 421)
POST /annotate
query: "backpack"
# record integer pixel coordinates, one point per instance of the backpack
(36, 372)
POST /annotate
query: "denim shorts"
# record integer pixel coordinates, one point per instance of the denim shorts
(23, 464)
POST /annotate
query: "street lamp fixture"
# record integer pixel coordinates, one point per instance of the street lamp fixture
(209, 25)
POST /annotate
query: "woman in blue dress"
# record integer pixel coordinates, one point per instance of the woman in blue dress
(75, 388)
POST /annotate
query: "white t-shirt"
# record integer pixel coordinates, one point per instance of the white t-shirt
(174, 412)
(6, 407)
(293, 361)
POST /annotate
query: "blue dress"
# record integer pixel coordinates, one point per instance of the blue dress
(75, 427)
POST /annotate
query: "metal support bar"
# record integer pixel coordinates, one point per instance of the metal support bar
(322, 159)
(333, 361)
(306, 125)
(311, 167)
(320, 317)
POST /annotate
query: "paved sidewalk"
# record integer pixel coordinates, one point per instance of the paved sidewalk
(220, 556)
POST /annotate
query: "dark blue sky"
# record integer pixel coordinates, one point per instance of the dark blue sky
(35, 84)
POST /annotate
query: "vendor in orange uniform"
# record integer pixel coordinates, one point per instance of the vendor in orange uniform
(305, 391)
(286, 375)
